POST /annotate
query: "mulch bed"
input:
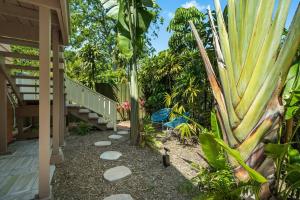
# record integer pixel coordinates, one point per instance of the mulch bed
(80, 176)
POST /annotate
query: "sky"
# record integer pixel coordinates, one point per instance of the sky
(169, 7)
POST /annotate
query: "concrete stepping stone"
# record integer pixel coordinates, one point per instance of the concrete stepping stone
(115, 137)
(110, 155)
(123, 132)
(102, 143)
(116, 173)
(119, 197)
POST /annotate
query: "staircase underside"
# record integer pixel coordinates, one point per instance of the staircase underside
(31, 109)
(89, 117)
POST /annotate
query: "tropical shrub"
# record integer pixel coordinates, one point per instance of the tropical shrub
(155, 83)
(291, 101)
(82, 129)
(124, 110)
(149, 137)
(186, 131)
(287, 175)
(178, 70)
(251, 77)
(221, 185)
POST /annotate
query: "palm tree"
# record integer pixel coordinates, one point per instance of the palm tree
(252, 67)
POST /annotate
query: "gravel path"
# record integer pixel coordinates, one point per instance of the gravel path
(80, 176)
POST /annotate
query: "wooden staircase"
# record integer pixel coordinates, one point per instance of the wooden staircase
(29, 91)
(89, 116)
(80, 101)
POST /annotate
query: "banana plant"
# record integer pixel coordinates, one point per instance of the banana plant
(133, 20)
(252, 67)
(291, 98)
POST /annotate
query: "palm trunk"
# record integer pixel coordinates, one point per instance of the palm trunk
(134, 114)
(252, 74)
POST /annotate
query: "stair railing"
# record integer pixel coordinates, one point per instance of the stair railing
(98, 103)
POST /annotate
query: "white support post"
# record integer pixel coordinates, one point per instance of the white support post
(57, 154)
(114, 109)
(3, 111)
(44, 102)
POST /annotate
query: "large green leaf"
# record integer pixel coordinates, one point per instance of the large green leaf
(291, 93)
(237, 156)
(124, 44)
(276, 151)
(212, 151)
(144, 20)
(112, 8)
(123, 20)
(293, 174)
(214, 125)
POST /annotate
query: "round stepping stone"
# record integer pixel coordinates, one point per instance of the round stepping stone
(115, 137)
(116, 173)
(122, 132)
(119, 197)
(110, 155)
(102, 143)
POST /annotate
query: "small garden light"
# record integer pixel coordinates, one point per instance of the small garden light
(166, 157)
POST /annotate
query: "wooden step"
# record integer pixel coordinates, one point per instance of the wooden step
(93, 116)
(24, 68)
(84, 111)
(24, 56)
(30, 85)
(27, 77)
(84, 117)
(21, 67)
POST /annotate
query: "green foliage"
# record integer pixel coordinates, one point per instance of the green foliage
(186, 131)
(92, 56)
(149, 137)
(212, 151)
(89, 55)
(211, 145)
(178, 70)
(24, 62)
(215, 128)
(237, 156)
(133, 20)
(291, 93)
(178, 76)
(217, 185)
(82, 129)
(155, 83)
(287, 160)
(182, 38)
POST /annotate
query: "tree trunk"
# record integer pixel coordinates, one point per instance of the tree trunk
(134, 114)
(134, 93)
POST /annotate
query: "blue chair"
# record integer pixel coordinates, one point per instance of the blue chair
(161, 115)
(176, 121)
